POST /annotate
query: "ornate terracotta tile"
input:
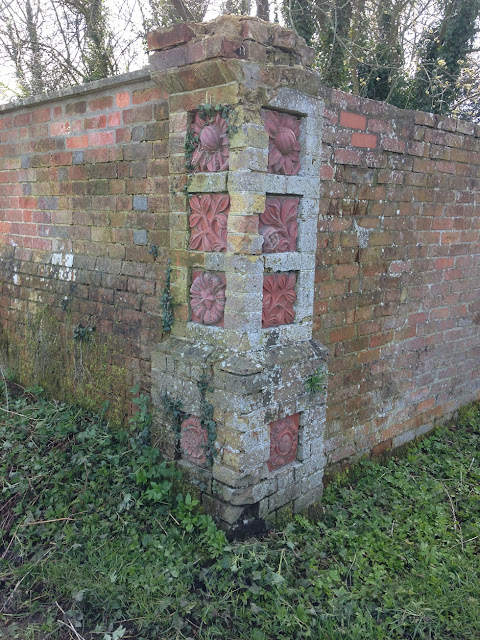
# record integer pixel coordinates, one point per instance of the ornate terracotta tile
(212, 149)
(278, 299)
(207, 298)
(278, 224)
(193, 441)
(283, 441)
(283, 145)
(208, 221)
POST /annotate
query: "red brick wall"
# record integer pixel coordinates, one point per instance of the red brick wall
(397, 296)
(83, 196)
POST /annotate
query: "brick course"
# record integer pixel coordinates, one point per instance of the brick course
(70, 221)
(398, 261)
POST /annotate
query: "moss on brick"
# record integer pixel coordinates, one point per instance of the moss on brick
(43, 352)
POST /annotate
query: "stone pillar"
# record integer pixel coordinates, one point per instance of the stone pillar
(238, 385)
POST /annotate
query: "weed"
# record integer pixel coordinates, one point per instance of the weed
(316, 383)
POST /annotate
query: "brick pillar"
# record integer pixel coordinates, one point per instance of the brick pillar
(245, 147)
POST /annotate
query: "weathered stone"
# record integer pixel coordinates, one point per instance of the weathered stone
(256, 376)
(168, 37)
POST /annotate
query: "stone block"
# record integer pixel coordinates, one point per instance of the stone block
(201, 478)
(250, 494)
(244, 243)
(244, 463)
(285, 39)
(168, 37)
(403, 438)
(307, 499)
(242, 322)
(423, 429)
(221, 46)
(277, 184)
(163, 60)
(208, 182)
(257, 30)
(249, 159)
(247, 203)
(233, 478)
(140, 236)
(286, 333)
(283, 496)
(244, 384)
(140, 203)
(222, 510)
(249, 136)
(240, 404)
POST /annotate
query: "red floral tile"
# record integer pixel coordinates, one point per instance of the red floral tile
(193, 441)
(208, 221)
(207, 298)
(278, 224)
(283, 441)
(278, 299)
(283, 145)
(212, 149)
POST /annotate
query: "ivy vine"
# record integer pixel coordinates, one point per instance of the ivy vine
(167, 301)
(82, 334)
(153, 251)
(206, 418)
(174, 410)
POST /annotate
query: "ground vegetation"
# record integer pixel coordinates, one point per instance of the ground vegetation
(99, 538)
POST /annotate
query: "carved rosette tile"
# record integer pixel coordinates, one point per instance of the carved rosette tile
(211, 153)
(278, 299)
(207, 298)
(278, 224)
(283, 145)
(193, 441)
(283, 441)
(208, 222)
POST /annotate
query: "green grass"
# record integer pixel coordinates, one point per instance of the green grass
(96, 536)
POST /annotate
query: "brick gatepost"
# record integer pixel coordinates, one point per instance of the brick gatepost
(237, 386)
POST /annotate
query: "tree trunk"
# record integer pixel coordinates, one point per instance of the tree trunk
(263, 9)
(38, 85)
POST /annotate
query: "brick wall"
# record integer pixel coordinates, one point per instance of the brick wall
(83, 197)
(397, 296)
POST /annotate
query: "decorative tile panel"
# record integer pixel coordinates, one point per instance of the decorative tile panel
(208, 221)
(283, 145)
(278, 224)
(193, 441)
(283, 441)
(207, 298)
(278, 299)
(212, 149)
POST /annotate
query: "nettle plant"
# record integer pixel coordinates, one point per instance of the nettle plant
(207, 139)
